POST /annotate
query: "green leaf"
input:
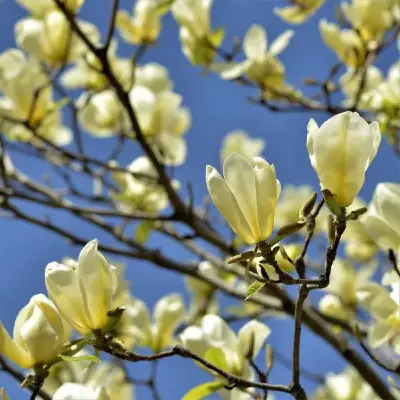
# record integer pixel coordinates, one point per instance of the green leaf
(203, 390)
(216, 356)
(79, 358)
(254, 288)
(143, 231)
(217, 37)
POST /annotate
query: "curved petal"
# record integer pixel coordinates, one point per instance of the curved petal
(13, 351)
(255, 41)
(280, 43)
(251, 338)
(218, 332)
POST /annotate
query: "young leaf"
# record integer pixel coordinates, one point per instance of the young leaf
(203, 390)
(79, 358)
(254, 288)
(143, 231)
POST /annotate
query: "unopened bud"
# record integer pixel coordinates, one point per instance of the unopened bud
(331, 203)
(354, 215)
(308, 206)
(291, 228)
(331, 229)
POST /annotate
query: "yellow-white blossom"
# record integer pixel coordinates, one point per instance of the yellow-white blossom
(348, 385)
(75, 391)
(83, 291)
(144, 26)
(105, 377)
(40, 8)
(384, 307)
(350, 84)
(214, 336)
(39, 334)
(158, 334)
(340, 152)
(51, 39)
(261, 65)
(371, 18)
(292, 199)
(382, 219)
(142, 194)
(238, 141)
(198, 40)
(153, 76)
(359, 244)
(163, 121)
(101, 114)
(345, 280)
(3, 394)
(246, 196)
(299, 12)
(28, 97)
(347, 45)
(86, 72)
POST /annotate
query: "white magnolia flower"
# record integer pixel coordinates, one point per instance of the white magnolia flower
(382, 219)
(168, 313)
(76, 391)
(40, 8)
(238, 141)
(163, 121)
(299, 12)
(143, 194)
(144, 26)
(215, 341)
(347, 45)
(261, 65)
(340, 152)
(246, 196)
(51, 39)
(83, 291)
(153, 76)
(28, 97)
(39, 334)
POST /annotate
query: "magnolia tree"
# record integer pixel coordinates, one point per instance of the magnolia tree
(79, 340)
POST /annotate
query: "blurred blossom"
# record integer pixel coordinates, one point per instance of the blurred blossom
(39, 9)
(141, 193)
(145, 25)
(214, 336)
(238, 141)
(158, 334)
(28, 96)
(381, 221)
(299, 12)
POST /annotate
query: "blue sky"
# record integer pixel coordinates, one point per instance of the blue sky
(217, 107)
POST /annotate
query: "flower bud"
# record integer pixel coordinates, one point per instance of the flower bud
(246, 196)
(39, 334)
(340, 152)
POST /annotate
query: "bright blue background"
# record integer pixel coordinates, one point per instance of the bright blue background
(217, 107)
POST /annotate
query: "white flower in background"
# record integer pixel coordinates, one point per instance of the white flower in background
(158, 334)
(144, 26)
(371, 18)
(238, 141)
(27, 95)
(359, 244)
(382, 219)
(101, 114)
(299, 12)
(163, 121)
(83, 291)
(350, 84)
(291, 200)
(344, 282)
(50, 38)
(74, 378)
(154, 76)
(347, 45)
(198, 40)
(347, 385)
(246, 196)
(261, 65)
(340, 152)
(215, 341)
(76, 391)
(384, 308)
(40, 8)
(142, 194)
(39, 334)
(86, 72)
